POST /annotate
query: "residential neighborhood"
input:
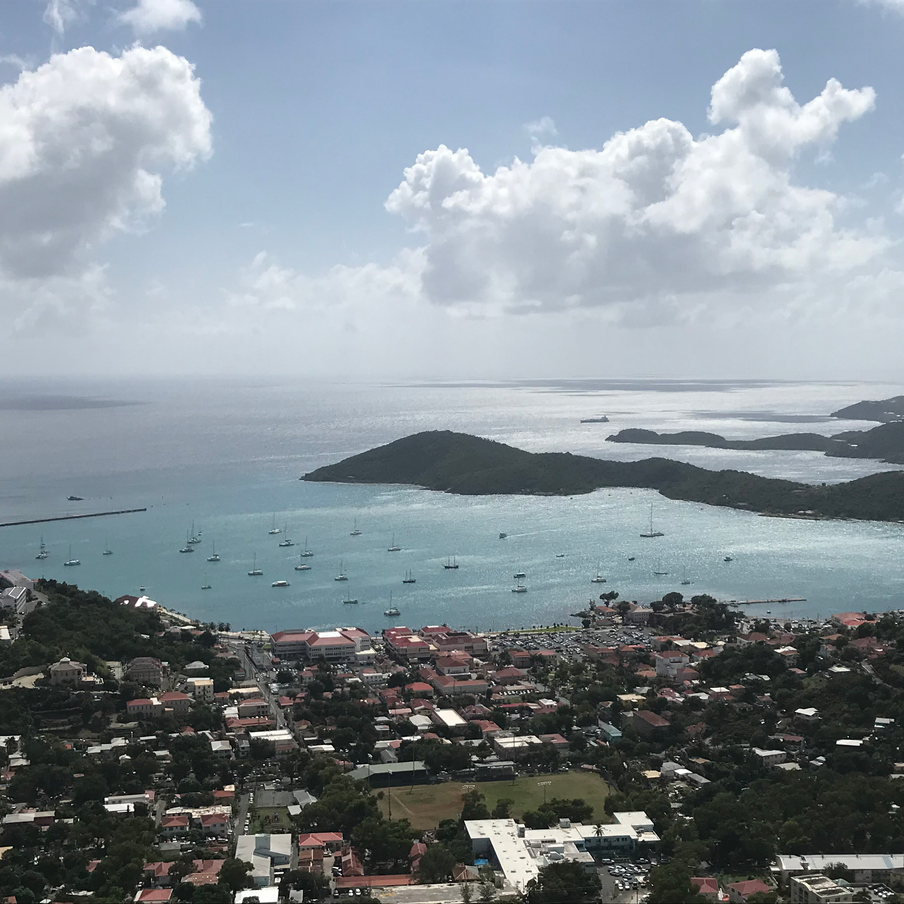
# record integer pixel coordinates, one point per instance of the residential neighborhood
(681, 756)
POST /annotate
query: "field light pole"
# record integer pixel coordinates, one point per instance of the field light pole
(544, 785)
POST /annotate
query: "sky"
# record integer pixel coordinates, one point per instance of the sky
(446, 189)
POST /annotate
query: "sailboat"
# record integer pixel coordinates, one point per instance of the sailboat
(599, 579)
(392, 610)
(685, 580)
(255, 571)
(42, 553)
(651, 532)
(274, 529)
(188, 547)
(306, 553)
(206, 584)
(355, 531)
(342, 576)
(658, 571)
(301, 566)
(213, 557)
(451, 563)
(193, 538)
(409, 578)
(107, 550)
(287, 541)
(393, 547)
(349, 600)
(70, 560)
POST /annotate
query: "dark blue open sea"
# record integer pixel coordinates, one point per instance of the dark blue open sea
(225, 456)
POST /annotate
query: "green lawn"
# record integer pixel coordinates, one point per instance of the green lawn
(270, 819)
(426, 805)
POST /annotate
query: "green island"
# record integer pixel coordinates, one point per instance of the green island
(469, 465)
(884, 443)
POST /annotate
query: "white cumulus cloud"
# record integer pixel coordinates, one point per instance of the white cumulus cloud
(85, 141)
(149, 16)
(654, 215)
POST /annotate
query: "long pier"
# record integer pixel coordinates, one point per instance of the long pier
(71, 517)
(784, 599)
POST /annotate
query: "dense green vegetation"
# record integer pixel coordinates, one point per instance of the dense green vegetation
(88, 627)
(459, 463)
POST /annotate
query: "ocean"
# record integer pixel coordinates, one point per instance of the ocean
(224, 457)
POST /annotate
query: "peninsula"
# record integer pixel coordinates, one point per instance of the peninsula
(469, 465)
(882, 443)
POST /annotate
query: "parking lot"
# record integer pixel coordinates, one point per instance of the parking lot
(624, 881)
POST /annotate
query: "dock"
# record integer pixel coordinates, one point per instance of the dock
(71, 517)
(784, 599)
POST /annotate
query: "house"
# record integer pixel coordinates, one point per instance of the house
(707, 886)
(668, 664)
(178, 702)
(201, 689)
(174, 826)
(67, 673)
(769, 758)
(144, 708)
(145, 670)
(214, 824)
(739, 892)
(646, 723)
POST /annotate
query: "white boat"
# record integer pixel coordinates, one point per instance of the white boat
(255, 571)
(205, 587)
(393, 547)
(193, 538)
(70, 560)
(280, 584)
(348, 601)
(213, 557)
(728, 559)
(188, 545)
(301, 566)
(599, 579)
(287, 542)
(306, 553)
(451, 563)
(107, 550)
(392, 610)
(519, 588)
(685, 580)
(274, 529)
(42, 553)
(355, 531)
(518, 575)
(409, 578)
(652, 533)
(342, 576)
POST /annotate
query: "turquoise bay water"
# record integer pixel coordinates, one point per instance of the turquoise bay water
(226, 456)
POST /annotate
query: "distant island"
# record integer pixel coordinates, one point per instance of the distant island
(884, 410)
(469, 465)
(883, 443)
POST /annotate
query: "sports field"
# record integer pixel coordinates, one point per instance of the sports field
(426, 805)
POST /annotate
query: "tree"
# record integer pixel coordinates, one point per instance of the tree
(503, 808)
(437, 863)
(466, 893)
(562, 883)
(486, 890)
(234, 874)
